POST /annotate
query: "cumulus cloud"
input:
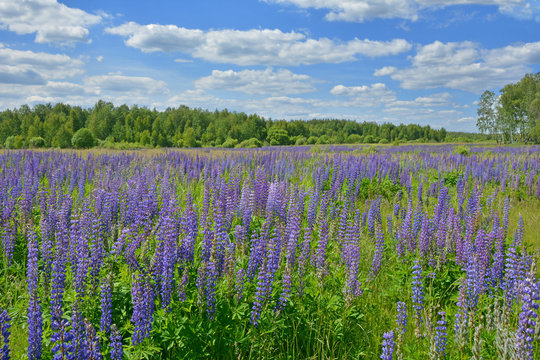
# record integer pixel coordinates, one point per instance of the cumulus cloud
(48, 19)
(122, 83)
(29, 67)
(365, 96)
(362, 10)
(266, 81)
(252, 47)
(465, 66)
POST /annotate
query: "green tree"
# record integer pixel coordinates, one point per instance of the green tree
(82, 139)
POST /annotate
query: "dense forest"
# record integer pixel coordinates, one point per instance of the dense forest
(104, 124)
(514, 115)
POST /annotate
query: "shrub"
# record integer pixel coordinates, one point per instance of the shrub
(354, 139)
(83, 139)
(14, 142)
(230, 143)
(383, 141)
(250, 144)
(369, 139)
(37, 142)
(301, 141)
(462, 150)
(312, 140)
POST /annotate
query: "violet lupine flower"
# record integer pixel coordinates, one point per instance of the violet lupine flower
(518, 236)
(286, 292)
(62, 339)
(35, 327)
(510, 276)
(320, 257)
(35, 320)
(182, 284)
(351, 256)
(239, 285)
(8, 240)
(4, 331)
(210, 287)
(377, 257)
(441, 335)
(388, 346)
(401, 318)
(78, 332)
(529, 291)
(106, 306)
(418, 294)
(58, 284)
(91, 343)
(116, 344)
(138, 317)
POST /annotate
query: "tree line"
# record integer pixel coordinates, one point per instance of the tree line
(64, 126)
(514, 115)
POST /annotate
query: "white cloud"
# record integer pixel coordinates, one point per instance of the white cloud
(125, 84)
(365, 96)
(154, 37)
(252, 47)
(15, 75)
(466, 66)
(465, 119)
(362, 10)
(99, 58)
(50, 20)
(182, 61)
(386, 70)
(28, 67)
(257, 82)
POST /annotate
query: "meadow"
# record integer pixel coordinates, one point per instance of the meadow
(334, 252)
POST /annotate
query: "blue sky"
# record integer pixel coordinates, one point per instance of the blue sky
(406, 61)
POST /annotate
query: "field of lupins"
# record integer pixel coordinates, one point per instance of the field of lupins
(410, 252)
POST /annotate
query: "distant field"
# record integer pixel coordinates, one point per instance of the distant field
(337, 251)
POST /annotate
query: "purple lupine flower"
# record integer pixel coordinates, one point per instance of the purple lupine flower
(529, 291)
(182, 284)
(441, 336)
(106, 306)
(79, 333)
(35, 319)
(58, 284)
(388, 346)
(91, 343)
(497, 268)
(239, 285)
(401, 318)
(377, 257)
(210, 287)
(8, 240)
(35, 327)
(474, 283)
(510, 276)
(351, 256)
(518, 236)
(418, 294)
(62, 339)
(138, 317)
(286, 292)
(116, 344)
(4, 331)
